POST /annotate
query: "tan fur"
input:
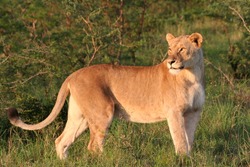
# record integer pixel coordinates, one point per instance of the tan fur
(172, 90)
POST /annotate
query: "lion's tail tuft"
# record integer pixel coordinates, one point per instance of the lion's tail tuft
(13, 116)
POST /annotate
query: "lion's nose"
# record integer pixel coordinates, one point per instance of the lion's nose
(171, 62)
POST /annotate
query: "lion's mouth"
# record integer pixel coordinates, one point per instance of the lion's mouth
(177, 68)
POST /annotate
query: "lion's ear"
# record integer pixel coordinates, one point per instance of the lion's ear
(196, 39)
(169, 37)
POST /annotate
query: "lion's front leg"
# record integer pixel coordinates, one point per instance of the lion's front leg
(177, 130)
(191, 120)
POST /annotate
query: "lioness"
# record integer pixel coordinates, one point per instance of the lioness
(172, 90)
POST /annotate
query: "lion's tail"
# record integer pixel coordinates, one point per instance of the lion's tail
(15, 119)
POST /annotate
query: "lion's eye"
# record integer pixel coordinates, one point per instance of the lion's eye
(181, 49)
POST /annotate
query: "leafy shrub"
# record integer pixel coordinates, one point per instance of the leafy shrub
(239, 57)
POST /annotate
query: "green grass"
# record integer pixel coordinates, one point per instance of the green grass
(222, 137)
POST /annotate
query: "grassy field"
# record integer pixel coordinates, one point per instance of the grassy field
(222, 137)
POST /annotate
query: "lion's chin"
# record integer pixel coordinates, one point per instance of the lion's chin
(174, 71)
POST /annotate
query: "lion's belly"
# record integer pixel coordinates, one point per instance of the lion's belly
(149, 114)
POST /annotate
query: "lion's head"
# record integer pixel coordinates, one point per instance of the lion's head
(183, 51)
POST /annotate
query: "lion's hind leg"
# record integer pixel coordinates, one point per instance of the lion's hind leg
(75, 125)
(99, 127)
(96, 140)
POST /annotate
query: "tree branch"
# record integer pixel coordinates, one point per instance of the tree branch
(18, 82)
(220, 71)
(244, 23)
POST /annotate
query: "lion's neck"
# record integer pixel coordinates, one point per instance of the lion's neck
(193, 75)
